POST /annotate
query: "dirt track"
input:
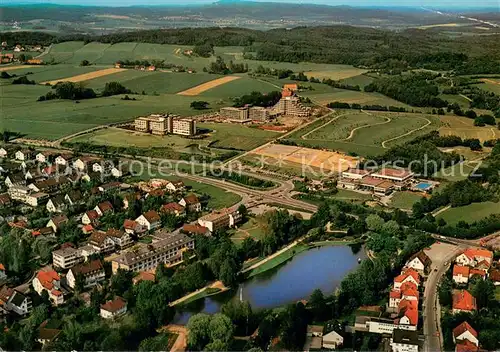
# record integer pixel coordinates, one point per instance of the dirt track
(86, 76)
(17, 67)
(208, 85)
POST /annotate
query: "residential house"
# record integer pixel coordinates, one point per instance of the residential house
(119, 171)
(463, 301)
(46, 335)
(18, 193)
(408, 275)
(87, 229)
(3, 153)
(24, 155)
(5, 200)
(15, 301)
(495, 276)
(195, 229)
(132, 227)
(84, 162)
(461, 274)
(332, 340)
(314, 337)
(466, 346)
(49, 281)
(51, 185)
(100, 241)
(419, 261)
(114, 308)
(120, 238)
(407, 313)
(91, 176)
(150, 220)
(102, 166)
(109, 186)
(404, 341)
(175, 186)
(36, 199)
(191, 203)
(465, 332)
(33, 174)
(472, 257)
(15, 180)
(92, 273)
(73, 197)
(67, 257)
(104, 208)
(90, 217)
(220, 219)
(55, 171)
(56, 204)
(63, 159)
(57, 221)
(173, 208)
(45, 157)
(3, 272)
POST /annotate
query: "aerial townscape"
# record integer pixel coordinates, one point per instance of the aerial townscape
(246, 175)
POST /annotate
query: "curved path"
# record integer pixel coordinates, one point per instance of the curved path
(364, 126)
(408, 133)
(323, 125)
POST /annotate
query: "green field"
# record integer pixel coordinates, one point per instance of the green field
(490, 85)
(351, 96)
(470, 213)
(404, 200)
(252, 228)
(364, 132)
(237, 88)
(218, 136)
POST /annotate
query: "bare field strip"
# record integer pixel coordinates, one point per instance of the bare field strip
(87, 76)
(320, 159)
(208, 85)
(336, 74)
(17, 67)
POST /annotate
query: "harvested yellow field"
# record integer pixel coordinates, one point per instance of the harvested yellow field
(87, 76)
(9, 68)
(208, 85)
(439, 25)
(464, 128)
(306, 157)
(336, 74)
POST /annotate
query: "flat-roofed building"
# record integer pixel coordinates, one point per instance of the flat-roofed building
(147, 256)
(355, 174)
(220, 219)
(233, 113)
(184, 127)
(66, 258)
(375, 185)
(396, 175)
(258, 113)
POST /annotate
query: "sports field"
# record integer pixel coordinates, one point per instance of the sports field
(470, 213)
(87, 76)
(464, 128)
(208, 85)
(365, 133)
(317, 159)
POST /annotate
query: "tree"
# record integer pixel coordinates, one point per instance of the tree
(114, 88)
(203, 50)
(221, 328)
(391, 228)
(85, 63)
(484, 292)
(374, 223)
(445, 292)
(228, 272)
(317, 304)
(199, 105)
(199, 331)
(243, 211)
(121, 282)
(216, 345)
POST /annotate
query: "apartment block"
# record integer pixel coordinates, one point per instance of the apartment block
(148, 256)
(233, 113)
(66, 258)
(184, 127)
(258, 113)
(162, 124)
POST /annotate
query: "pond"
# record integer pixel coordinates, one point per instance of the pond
(321, 267)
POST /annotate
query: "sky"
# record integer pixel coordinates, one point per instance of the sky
(430, 3)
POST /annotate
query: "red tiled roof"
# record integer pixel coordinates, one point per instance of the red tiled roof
(191, 199)
(114, 305)
(460, 270)
(409, 309)
(413, 273)
(88, 228)
(195, 229)
(478, 272)
(105, 206)
(171, 207)
(460, 329)
(46, 278)
(144, 276)
(463, 300)
(157, 193)
(130, 224)
(2, 267)
(472, 253)
(56, 293)
(395, 294)
(92, 215)
(495, 275)
(115, 233)
(408, 285)
(466, 346)
(88, 267)
(390, 172)
(152, 216)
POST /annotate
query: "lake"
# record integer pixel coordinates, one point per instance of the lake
(321, 267)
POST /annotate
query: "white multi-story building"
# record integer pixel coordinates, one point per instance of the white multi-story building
(66, 258)
(92, 273)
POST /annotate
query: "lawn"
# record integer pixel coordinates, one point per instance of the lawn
(470, 213)
(457, 172)
(404, 200)
(278, 260)
(345, 194)
(497, 293)
(233, 136)
(252, 228)
(350, 96)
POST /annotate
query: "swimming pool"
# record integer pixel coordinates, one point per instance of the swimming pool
(423, 186)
